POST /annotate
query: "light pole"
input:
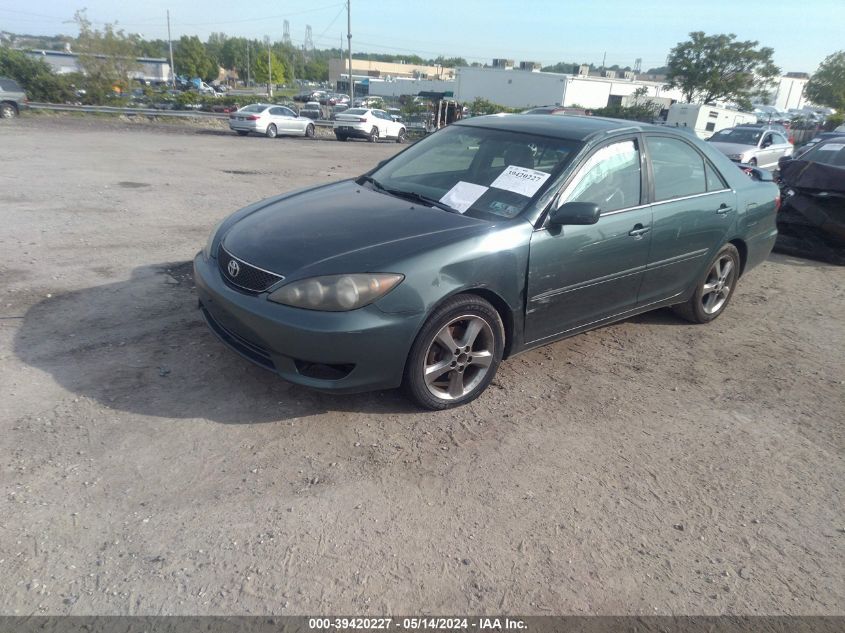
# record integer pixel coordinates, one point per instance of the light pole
(269, 68)
(170, 46)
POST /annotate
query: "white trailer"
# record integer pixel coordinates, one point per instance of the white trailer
(706, 120)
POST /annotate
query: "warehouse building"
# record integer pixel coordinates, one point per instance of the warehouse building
(63, 62)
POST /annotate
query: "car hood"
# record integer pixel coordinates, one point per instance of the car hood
(732, 148)
(343, 227)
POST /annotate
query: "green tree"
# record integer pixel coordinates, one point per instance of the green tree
(192, 60)
(827, 85)
(710, 67)
(277, 67)
(36, 77)
(108, 57)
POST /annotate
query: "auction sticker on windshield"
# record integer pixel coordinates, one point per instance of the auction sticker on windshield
(831, 147)
(520, 180)
(463, 195)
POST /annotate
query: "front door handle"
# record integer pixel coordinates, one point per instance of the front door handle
(639, 230)
(723, 208)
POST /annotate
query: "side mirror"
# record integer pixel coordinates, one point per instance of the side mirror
(575, 213)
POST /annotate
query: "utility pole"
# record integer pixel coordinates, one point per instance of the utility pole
(269, 68)
(349, 51)
(170, 46)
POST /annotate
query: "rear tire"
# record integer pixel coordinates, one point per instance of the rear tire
(271, 132)
(715, 289)
(242, 132)
(455, 355)
(373, 137)
(341, 137)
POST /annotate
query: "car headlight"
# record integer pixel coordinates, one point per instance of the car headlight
(336, 293)
(735, 157)
(210, 241)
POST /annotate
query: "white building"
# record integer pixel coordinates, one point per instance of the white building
(525, 88)
(63, 62)
(399, 86)
(789, 93)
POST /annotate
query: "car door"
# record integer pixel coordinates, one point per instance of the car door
(780, 147)
(580, 275)
(292, 124)
(692, 210)
(381, 120)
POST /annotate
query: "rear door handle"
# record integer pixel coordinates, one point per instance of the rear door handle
(639, 230)
(723, 208)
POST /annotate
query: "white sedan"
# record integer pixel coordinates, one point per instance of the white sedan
(368, 123)
(270, 120)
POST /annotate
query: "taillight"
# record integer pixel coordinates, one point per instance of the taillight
(253, 117)
(777, 203)
(791, 140)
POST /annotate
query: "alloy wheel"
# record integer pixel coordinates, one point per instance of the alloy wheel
(717, 286)
(459, 357)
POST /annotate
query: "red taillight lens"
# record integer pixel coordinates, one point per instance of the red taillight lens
(777, 203)
(792, 140)
(362, 120)
(253, 117)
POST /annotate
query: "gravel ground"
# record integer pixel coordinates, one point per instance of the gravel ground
(649, 467)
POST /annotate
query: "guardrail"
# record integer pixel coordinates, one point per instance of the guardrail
(94, 109)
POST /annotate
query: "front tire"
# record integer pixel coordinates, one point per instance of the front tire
(455, 355)
(400, 138)
(8, 111)
(309, 131)
(271, 132)
(714, 291)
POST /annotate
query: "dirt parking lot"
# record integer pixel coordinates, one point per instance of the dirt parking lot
(650, 467)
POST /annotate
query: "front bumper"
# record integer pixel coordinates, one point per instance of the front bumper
(342, 352)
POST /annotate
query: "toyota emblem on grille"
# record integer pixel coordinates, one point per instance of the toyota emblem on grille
(233, 268)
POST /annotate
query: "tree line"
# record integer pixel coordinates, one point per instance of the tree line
(705, 67)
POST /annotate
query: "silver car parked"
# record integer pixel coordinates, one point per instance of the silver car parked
(12, 98)
(761, 147)
(270, 120)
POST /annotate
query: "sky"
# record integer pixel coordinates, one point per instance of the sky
(802, 34)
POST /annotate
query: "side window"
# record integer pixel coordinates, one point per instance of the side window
(678, 168)
(778, 139)
(286, 112)
(715, 182)
(767, 140)
(275, 111)
(610, 178)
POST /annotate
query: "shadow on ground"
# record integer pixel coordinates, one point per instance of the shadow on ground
(142, 346)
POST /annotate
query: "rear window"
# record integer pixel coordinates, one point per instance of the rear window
(831, 153)
(356, 111)
(254, 108)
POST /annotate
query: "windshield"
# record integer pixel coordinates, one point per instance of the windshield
(478, 171)
(737, 135)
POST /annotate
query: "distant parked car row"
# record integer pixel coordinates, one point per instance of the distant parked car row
(757, 145)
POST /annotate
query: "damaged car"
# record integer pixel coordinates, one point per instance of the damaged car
(811, 222)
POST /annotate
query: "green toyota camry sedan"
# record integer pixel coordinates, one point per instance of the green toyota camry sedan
(490, 237)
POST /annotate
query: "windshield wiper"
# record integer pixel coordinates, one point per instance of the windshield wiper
(375, 183)
(408, 195)
(413, 195)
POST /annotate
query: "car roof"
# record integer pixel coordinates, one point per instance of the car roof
(574, 127)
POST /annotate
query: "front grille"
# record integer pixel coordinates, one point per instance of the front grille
(247, 276)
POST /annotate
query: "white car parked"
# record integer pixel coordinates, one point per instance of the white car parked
(369, 124)
(270, 120)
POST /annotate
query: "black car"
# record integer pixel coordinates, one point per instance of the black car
(811, 222)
